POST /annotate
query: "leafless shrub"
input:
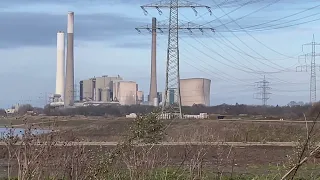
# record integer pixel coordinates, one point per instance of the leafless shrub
(40, 156)
(307, 148)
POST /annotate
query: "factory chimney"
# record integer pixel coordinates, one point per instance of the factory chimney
(153, 79)
(69, 89)
(60, 65)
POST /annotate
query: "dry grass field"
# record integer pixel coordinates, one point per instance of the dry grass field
(230, 161)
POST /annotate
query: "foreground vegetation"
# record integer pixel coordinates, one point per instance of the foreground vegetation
(46, 156)
(55, 156)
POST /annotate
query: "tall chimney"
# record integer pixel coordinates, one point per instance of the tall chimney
(153, 79)
(60, 64)
(69, 90)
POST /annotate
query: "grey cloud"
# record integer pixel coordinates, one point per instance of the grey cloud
(37, 29)
(222, 3)
(10, 3)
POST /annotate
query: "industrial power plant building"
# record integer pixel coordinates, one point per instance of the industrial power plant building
(110, 89)
(98, 88)
(114, 90)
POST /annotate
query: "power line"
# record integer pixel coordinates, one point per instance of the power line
(281, 27)
(255, 40)
(279, 70)
(270, 4)
(212, 70)
(312, 67)
(285, 17)
(263, 94)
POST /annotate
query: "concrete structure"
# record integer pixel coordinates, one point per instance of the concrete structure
(86, 90)
(103, 87)
(98, 88)
(125, 92)
(195, 91)
(156, 102)
(69, 85)
(140, 97)
(153, 78)
(13, 110)
(60, 72)
(200, 116)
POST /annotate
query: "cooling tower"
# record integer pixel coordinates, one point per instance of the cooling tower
(153, 79)
(60, 64)
(69, 89)
(195, 91)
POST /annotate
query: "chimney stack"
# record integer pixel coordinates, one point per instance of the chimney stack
(60, 65)
(153, 80)
(69, 89)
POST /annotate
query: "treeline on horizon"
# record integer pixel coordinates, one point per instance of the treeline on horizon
(288, 111)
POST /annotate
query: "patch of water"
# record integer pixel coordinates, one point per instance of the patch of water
(20, 131)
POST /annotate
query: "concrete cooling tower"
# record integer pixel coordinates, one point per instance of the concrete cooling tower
(195, 91)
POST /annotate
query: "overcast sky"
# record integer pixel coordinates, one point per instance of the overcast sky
(250, 38)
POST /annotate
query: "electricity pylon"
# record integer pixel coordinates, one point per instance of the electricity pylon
(312, 67)
(169, 104)
(263, 94)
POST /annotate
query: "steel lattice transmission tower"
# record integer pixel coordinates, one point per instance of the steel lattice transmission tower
(263, 94)
(313, 66)
(172, 85)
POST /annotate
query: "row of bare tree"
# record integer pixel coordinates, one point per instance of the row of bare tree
(288, 112)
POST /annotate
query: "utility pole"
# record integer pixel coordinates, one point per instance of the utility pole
(172, 99)
(263, 94)
(312, 67)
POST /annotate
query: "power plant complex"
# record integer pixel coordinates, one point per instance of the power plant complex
(106, 90)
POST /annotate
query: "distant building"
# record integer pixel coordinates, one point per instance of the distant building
(125, 92)
(171, 96)
(105, 89)
(98, 88)
(140, 97)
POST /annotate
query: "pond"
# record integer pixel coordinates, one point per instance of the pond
(20, 131)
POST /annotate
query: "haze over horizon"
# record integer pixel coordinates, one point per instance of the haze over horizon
(249, 38)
